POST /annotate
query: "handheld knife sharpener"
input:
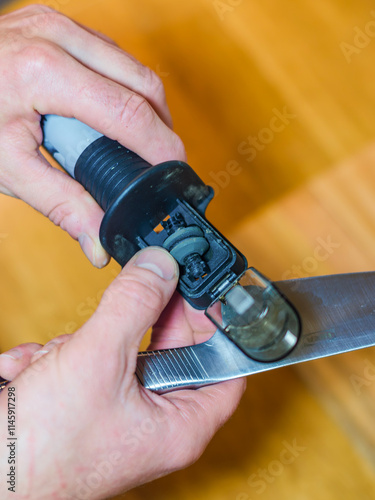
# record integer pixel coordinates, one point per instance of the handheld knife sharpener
(164, 205)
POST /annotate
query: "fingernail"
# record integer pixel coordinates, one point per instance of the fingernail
(47, 347)
(101, 257)
(51, 344)
(86, 244)
(13, 354)
(42, 351)
(158, 261)
(38, 354)
(93, 250)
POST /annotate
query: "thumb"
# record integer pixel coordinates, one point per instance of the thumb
(132, 303)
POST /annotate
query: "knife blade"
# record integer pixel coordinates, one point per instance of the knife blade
(337, 313)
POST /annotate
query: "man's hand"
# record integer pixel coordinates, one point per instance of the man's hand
(50, 64)
(85, 427)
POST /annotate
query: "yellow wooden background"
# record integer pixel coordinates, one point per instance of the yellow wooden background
(229, 67)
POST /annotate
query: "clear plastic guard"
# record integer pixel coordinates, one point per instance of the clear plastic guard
(256, 317)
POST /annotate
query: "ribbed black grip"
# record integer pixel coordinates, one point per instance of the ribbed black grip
(105, 168)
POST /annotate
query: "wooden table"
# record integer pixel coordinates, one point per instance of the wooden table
(275, 102)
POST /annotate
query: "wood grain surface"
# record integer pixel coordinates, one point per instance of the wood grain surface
(275, 102)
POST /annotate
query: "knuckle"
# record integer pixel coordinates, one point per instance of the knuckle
(60, 213)
(33, 58)
(65, 215)
(26, 25)
(135, 291)
(135, 111)
(179, 148)
(36, 20)
(44, 19)
(143, 292)
(52, 19)
(63, 210)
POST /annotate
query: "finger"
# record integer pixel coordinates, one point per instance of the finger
(109, 60)
(61, 339)
(103, 36)
(13, 361)
(97, 53)
(180, 325)
(131, 304)
(202, 327)
(57, 196)
(58, 84)
(171, 330)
